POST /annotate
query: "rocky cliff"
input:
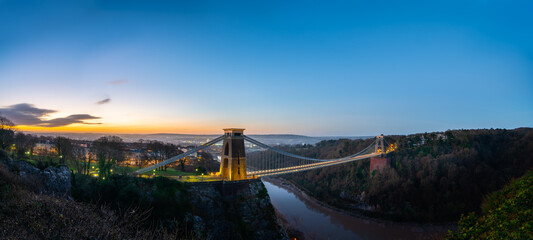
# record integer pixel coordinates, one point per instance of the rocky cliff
(226, 210)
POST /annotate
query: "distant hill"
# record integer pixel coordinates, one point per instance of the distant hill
(194, 139)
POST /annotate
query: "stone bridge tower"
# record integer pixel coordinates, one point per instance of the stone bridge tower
(382, 161)
(380, 147)
(233, 160)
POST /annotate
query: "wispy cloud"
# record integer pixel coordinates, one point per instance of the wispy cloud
(107, 100)
(117, 82)
(28, 114)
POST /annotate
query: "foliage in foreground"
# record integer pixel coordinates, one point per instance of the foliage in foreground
(165, 198)
(507, 214)
(27, 215)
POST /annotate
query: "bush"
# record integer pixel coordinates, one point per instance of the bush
(508, 214)
(3, 154)
(166, 198)
(25, 215)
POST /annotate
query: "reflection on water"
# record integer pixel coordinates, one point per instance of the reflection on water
(320, 222)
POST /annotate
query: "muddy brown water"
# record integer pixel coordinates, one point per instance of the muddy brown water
(317, 221)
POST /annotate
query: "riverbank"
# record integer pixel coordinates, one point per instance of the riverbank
(357, 223)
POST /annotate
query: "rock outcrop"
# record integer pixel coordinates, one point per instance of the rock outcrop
(225, 210)
(51, 181)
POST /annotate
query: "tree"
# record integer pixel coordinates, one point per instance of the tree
(507, 214)
(157, 149)
(24, 144)
(109, 150)
(80, 160)
(208, 162)
(64, 149)
(7, 133)
(162, 151)
(435, 181)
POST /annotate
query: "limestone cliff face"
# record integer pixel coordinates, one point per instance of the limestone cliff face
(233, 210)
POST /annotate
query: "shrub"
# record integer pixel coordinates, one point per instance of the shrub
(166, 198)
(508, 214)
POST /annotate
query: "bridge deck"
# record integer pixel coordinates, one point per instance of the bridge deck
(278, 171)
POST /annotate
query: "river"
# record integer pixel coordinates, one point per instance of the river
(319, 222)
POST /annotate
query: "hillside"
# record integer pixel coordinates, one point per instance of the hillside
(432, 177)
(124, 207)
(507, 214)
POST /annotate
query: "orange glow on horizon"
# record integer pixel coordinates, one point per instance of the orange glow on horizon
(132, 129)
(122, 129)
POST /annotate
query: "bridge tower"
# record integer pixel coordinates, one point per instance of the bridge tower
(380, 146)
(233, 161)
(379, 162)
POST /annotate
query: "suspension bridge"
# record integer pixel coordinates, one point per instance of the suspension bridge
(262, 160)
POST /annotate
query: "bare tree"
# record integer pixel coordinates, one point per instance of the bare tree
(80, 159)
(163, 151)
(64, 149)
(7, 133)
(24, 144)
(108, 150)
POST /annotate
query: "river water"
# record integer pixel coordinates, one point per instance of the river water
(320, 222)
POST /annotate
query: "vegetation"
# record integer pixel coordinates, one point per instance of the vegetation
(157, 172)
(27, 215)
(432, 176)
(163, 151)
(106, 204)
(507, 214)
(109, 150)
(7, 133)
(166, 199)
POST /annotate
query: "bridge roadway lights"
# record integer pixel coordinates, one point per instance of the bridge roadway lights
(233, 160)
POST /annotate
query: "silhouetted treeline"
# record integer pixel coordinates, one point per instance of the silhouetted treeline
(432, 176)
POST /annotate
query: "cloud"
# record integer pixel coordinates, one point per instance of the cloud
(28, 114)
(117, 82)
(107, 100)
(76, 118)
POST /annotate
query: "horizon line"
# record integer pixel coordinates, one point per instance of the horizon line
(216, 134)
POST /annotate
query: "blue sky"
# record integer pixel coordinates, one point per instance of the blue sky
(303, 67)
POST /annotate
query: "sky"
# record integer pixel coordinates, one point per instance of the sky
(319, 68)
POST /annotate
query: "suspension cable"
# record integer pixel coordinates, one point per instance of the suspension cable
(249, 139)
(180, 156)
